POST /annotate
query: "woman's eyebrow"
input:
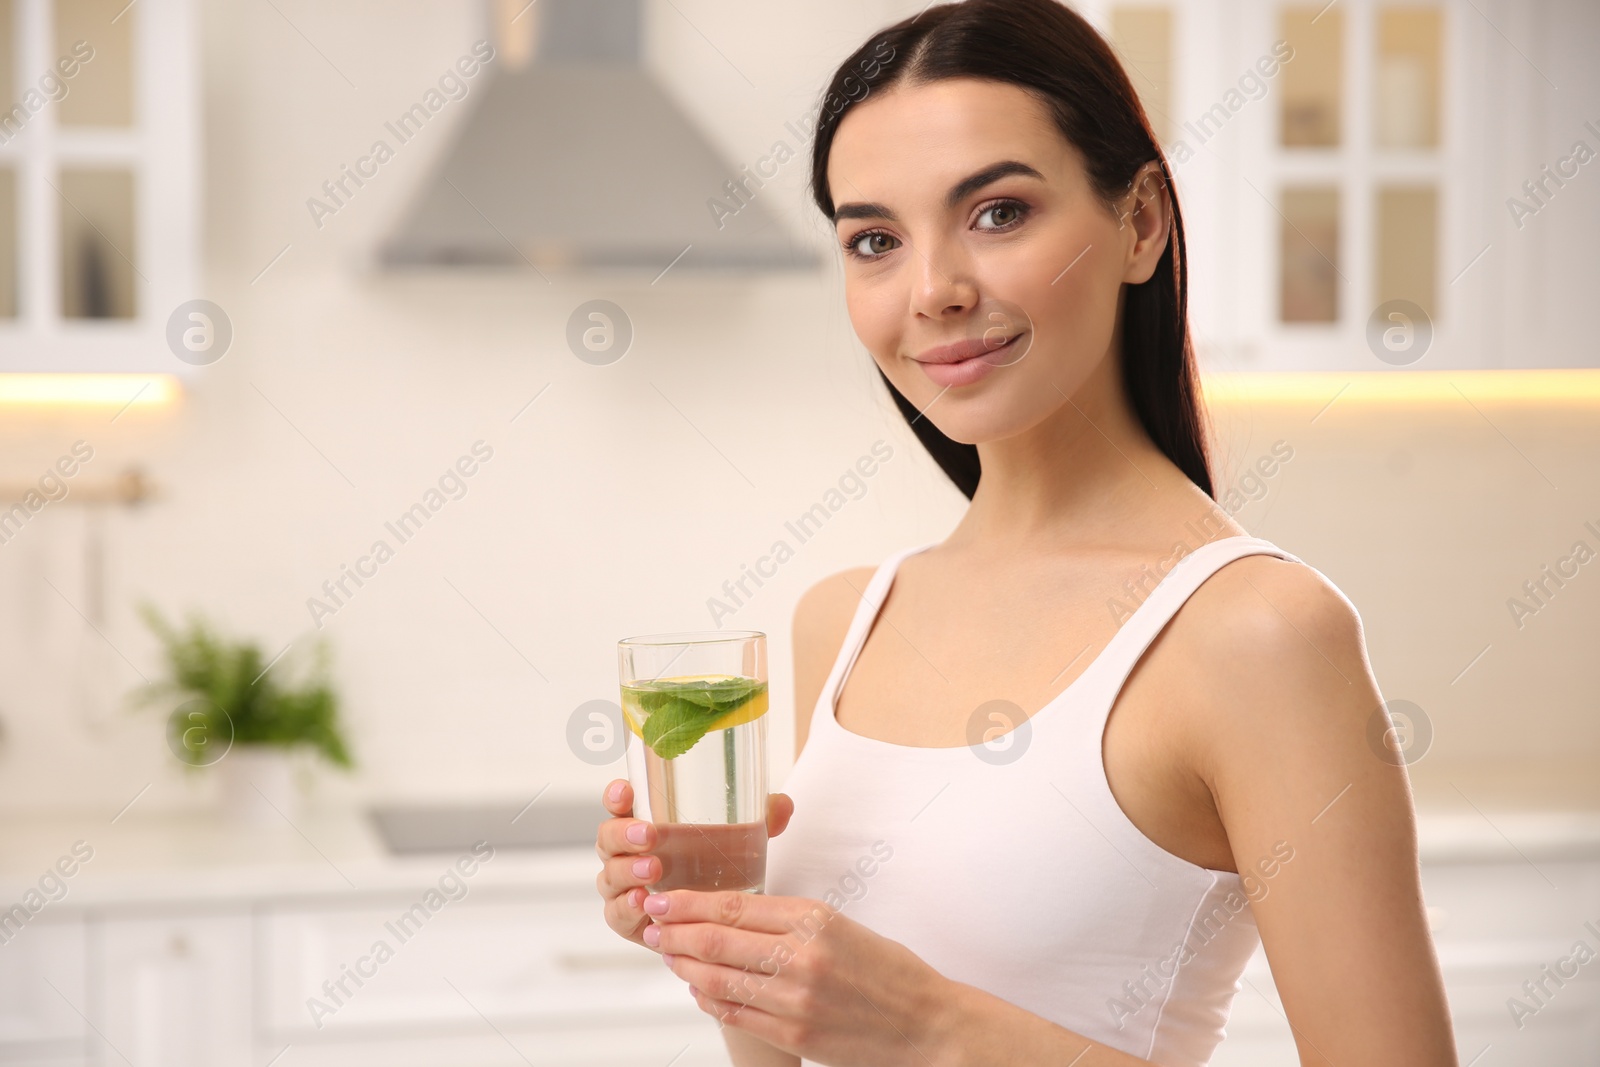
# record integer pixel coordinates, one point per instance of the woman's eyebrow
(958, 192)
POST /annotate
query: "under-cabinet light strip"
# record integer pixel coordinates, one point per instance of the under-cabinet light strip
(88, 390)
(1579, 387)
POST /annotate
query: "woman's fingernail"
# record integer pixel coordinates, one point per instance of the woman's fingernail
(667, 958)
(636, 833)
(652, 935)
(656, 904)
(641, 867)
(614, 794)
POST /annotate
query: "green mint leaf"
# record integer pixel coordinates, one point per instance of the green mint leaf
(680, 713)
(723, 694)
(673, 728)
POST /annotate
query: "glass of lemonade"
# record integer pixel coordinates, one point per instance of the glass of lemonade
(696, 704)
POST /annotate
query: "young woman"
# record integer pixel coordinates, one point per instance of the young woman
(1060, 772)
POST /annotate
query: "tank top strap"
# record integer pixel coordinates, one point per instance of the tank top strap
(855, 637)
(1116, 661)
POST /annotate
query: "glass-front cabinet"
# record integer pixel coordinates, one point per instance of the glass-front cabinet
(1345, 169)
(99, 189)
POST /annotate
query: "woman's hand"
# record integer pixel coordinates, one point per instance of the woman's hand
(800, 976)
(623, 845)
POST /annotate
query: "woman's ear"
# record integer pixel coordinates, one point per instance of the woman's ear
(1144, 214)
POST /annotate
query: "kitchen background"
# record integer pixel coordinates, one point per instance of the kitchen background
(366, 335)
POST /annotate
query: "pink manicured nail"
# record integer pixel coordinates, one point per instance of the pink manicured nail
(636, 833)
(652, 935)
(614, 794)
(667, 958)
(641, 867)
(656, 904)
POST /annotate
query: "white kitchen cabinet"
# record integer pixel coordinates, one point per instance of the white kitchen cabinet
(99, 184)
(43, 990)
(621, 1044)
(1383, 155)
(1500, 925)
(174, 990)
(501, 976)
(178, 968)
(1495, 926)
(537, 978)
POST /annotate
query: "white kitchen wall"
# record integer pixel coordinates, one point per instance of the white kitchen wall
(626, 495)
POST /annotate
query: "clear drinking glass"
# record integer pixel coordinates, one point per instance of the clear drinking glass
(696, 704)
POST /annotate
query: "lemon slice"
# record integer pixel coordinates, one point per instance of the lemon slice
(749, 711)
(627, 715)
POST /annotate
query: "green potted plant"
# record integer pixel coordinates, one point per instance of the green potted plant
(234, 713)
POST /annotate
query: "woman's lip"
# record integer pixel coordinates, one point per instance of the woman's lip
(967, 371)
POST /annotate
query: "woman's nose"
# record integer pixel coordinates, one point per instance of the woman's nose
(942, 280)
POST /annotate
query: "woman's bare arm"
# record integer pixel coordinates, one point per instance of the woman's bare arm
(1284, 736)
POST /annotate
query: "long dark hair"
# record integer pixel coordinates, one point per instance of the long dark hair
(1046, 48)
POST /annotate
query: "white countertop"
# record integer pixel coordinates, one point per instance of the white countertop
(204, 860)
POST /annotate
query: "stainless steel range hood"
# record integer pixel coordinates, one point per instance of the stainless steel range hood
(580, 159)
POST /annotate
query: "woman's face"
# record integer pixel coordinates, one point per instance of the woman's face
(967, 218)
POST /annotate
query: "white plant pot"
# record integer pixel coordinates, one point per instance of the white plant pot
(258, 785)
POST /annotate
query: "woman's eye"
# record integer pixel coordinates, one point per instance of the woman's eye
(1005, 212)
(876, 241)
(873, 244)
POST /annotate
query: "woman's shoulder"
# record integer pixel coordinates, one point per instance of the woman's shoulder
(822, 618)
(824, 611)
(1272, 648)
(1275, 603)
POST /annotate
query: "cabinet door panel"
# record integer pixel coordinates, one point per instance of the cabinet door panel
(176, 991)
(691, 1043)
(42, 990)
(528, 961)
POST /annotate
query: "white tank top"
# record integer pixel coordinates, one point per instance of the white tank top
(1019, 873)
